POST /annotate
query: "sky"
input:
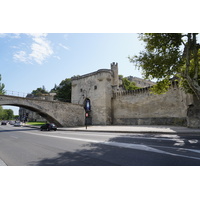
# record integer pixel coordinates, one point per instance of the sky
(32, 60)
(86, 36)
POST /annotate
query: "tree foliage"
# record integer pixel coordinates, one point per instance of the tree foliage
(2, 86)
(6, 114)
(63, 90)
(39, 91)
(128, 85)
(167, 55)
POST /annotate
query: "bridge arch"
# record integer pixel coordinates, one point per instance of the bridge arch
(61, 113)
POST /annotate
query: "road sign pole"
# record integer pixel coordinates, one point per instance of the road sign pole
(86, 117)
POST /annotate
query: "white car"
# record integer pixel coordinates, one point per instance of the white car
(11, 122)
(18, 124)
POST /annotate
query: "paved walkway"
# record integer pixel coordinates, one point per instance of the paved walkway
(135, 129)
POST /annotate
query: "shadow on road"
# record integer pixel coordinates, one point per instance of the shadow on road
(94, 154)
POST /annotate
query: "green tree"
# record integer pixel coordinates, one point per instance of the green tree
(1, 113)
(128, 85)
(168, 55)
(39, 91)
(6, 114)
(2, 86)
(63, 90)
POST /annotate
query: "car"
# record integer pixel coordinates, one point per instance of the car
(11, 122)
(18, 124)
(48, 127)
(3, 123)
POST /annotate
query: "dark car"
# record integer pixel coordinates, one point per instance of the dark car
(3, 123)
(48, 127)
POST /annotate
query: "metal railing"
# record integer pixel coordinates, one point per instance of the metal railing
(14, 93)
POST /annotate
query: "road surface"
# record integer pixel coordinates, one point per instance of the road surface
(24, 146)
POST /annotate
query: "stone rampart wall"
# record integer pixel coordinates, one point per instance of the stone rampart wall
(141, 107)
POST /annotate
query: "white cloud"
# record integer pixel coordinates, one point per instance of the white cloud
(63, 46)
(11, 35)
(36, 35)
(15, 35)
(2, 35)
(40, 49)
(20, 56)
(57, 57)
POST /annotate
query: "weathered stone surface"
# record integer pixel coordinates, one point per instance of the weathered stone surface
(175, 121)
(97, 87)
(148, 108)
(60, 113)
(193, 114)
(110, 105)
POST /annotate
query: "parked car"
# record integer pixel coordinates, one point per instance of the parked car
(11, 122)
(18, 124)
(3, 123)
(48, 127)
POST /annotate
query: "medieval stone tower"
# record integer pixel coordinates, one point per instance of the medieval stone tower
(97, 87)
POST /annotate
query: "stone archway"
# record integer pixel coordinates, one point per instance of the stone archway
(61, 113)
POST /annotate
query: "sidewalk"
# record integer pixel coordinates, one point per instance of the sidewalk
(135, 129)
(131, 129)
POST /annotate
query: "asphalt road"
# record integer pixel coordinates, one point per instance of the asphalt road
(23, 146)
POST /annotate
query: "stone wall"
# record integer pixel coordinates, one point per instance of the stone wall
(111, 105)
(97, 87)
(193, 114)
(140, 107)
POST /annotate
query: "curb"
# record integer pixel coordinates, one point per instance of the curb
(120, 131)
(190, 132)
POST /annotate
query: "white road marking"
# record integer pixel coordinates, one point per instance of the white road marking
(179, 142)
(124, 145)
(134, 136)
(193, 141)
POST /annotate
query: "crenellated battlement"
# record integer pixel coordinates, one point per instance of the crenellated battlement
(131, 92)
(141, 91)
(114, 64)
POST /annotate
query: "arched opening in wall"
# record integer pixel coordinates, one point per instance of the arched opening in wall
(39, 112)
(88, 111)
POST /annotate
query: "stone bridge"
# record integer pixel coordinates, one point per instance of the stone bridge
(60, 113)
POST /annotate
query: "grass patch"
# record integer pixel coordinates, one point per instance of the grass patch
(36, 123)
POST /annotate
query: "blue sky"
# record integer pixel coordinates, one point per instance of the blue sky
(29, 61)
